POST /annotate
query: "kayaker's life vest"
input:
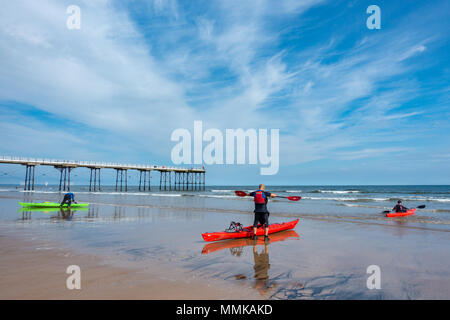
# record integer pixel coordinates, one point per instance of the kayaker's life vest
(260, 197)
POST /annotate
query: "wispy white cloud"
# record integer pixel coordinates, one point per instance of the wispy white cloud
(92, 76)
(224, 66)
(369, 152)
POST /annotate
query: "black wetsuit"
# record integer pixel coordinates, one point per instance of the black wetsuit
(399, 208)
(261, 212)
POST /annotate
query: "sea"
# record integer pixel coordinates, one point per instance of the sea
(352, 202)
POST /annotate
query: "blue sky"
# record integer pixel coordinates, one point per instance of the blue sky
(353, 105)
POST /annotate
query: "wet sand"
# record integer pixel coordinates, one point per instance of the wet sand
(321, 260)
(29, 270)
(150, 252)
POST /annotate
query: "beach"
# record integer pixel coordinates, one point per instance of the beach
(149, 246)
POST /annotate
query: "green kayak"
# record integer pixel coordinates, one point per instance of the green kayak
(53, 209)
(51, 205)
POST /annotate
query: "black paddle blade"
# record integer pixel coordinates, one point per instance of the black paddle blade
(421, 207)
(387, 211)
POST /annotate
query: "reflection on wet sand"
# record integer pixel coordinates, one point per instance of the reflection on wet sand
(107, 213)
(398, 223)
(237, 244)
(261, 267)
(64, 214)
(48, 210)
(261, 261)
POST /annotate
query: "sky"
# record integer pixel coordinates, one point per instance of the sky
(353, 105)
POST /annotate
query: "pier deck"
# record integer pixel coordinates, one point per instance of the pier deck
(183, 178)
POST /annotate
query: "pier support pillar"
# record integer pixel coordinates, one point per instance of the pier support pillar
(120, 172)
(149, 181)
(29, 177)
(163, 179)
(177, 180)
(64, 178)
(197, 181)
(96, 186)
(143, 180)
(204, 180)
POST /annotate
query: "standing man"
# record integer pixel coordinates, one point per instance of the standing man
(68, 198)
(261, 213)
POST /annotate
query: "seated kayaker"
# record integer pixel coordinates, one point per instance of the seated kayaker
(399, 207)
(68, 198)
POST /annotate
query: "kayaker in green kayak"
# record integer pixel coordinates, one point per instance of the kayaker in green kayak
(68, 198)
(261, 198)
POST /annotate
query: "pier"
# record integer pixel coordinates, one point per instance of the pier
(171, 178)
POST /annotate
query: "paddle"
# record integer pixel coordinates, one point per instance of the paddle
(245, 194)
(419, 207)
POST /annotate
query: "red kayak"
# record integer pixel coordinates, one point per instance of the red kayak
(401, 214)
(247, 232)
(243, 242)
